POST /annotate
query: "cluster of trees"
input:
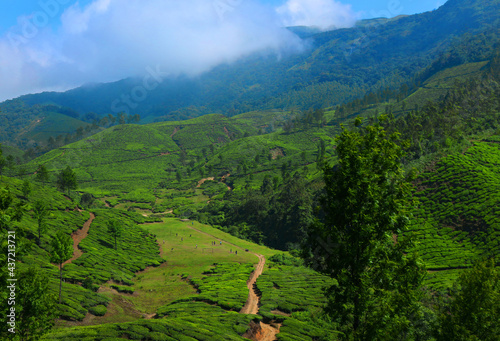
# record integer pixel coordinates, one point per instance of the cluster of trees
(472, 107)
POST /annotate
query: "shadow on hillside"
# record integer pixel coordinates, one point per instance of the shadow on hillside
(106, 244)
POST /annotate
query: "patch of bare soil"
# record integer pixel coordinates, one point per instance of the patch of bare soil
(175, 131)
(277, 152)
(279, 312)
(77, 237)
(262, 331)
(202, 181)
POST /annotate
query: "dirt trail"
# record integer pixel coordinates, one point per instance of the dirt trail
(202, 181)
(260, 331)
(252, 305)
(78, 236)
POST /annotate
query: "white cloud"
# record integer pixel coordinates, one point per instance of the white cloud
(114, 39)
(324, 14)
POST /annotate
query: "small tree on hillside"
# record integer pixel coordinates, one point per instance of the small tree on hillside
(9, 212)
(42, 175)
(62, 250)
(115, 229)
(26, 189)
(40, 212)
(473, 312)
(66, 180)
(36, 305)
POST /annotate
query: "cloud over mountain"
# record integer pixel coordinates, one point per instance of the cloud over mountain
(112, 39)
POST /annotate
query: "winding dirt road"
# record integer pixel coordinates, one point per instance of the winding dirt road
(252, 304)
(257, 331)
(78, 236)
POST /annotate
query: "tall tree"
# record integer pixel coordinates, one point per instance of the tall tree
(9, 212)
(62, 250)
(3, 162)
(26, 189)
(36, 305)
(40, 212)
(66, 179)
(473, 312)
(42, 174)
(115, 229)
(362, 242)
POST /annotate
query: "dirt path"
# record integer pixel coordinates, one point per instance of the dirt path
(202, 181)
(78, 236)
(252, 305)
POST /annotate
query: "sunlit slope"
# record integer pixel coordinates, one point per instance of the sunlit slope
(131, 157)
(100, 262)
(431, 90)
(199, 290)
(458, 218)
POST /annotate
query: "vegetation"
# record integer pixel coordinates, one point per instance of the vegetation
(62, 250)
(362, 242)
(171, 217)
(473, 310)
(66, 179)
(115, 229)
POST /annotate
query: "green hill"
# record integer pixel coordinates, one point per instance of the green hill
(457, 221)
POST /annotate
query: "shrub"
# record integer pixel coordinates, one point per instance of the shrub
(99, 310)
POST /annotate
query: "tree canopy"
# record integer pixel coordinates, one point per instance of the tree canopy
(362, 241)
(66, 179)
(62, 250)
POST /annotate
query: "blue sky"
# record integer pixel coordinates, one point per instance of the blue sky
(10, 10)
(61, 44)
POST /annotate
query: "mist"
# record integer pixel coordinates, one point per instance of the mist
(109, 40)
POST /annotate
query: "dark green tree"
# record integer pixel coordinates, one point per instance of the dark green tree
(36, 305)
(363, 242)
(26, 189)
(66, 179)
(40, 212)
(473, 312)
(9, 212)
(62, 250)
(3, 162)
(87, 200)
(115, 229)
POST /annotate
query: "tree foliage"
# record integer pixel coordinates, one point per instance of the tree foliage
(9, 212)
(362, 241)
(473, 312)
(62, 250)
(41, 212)
(37, 313)
(66, 179)
(115, 229)
(42, 174)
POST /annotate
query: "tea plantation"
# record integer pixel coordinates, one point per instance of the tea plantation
(457, 221)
